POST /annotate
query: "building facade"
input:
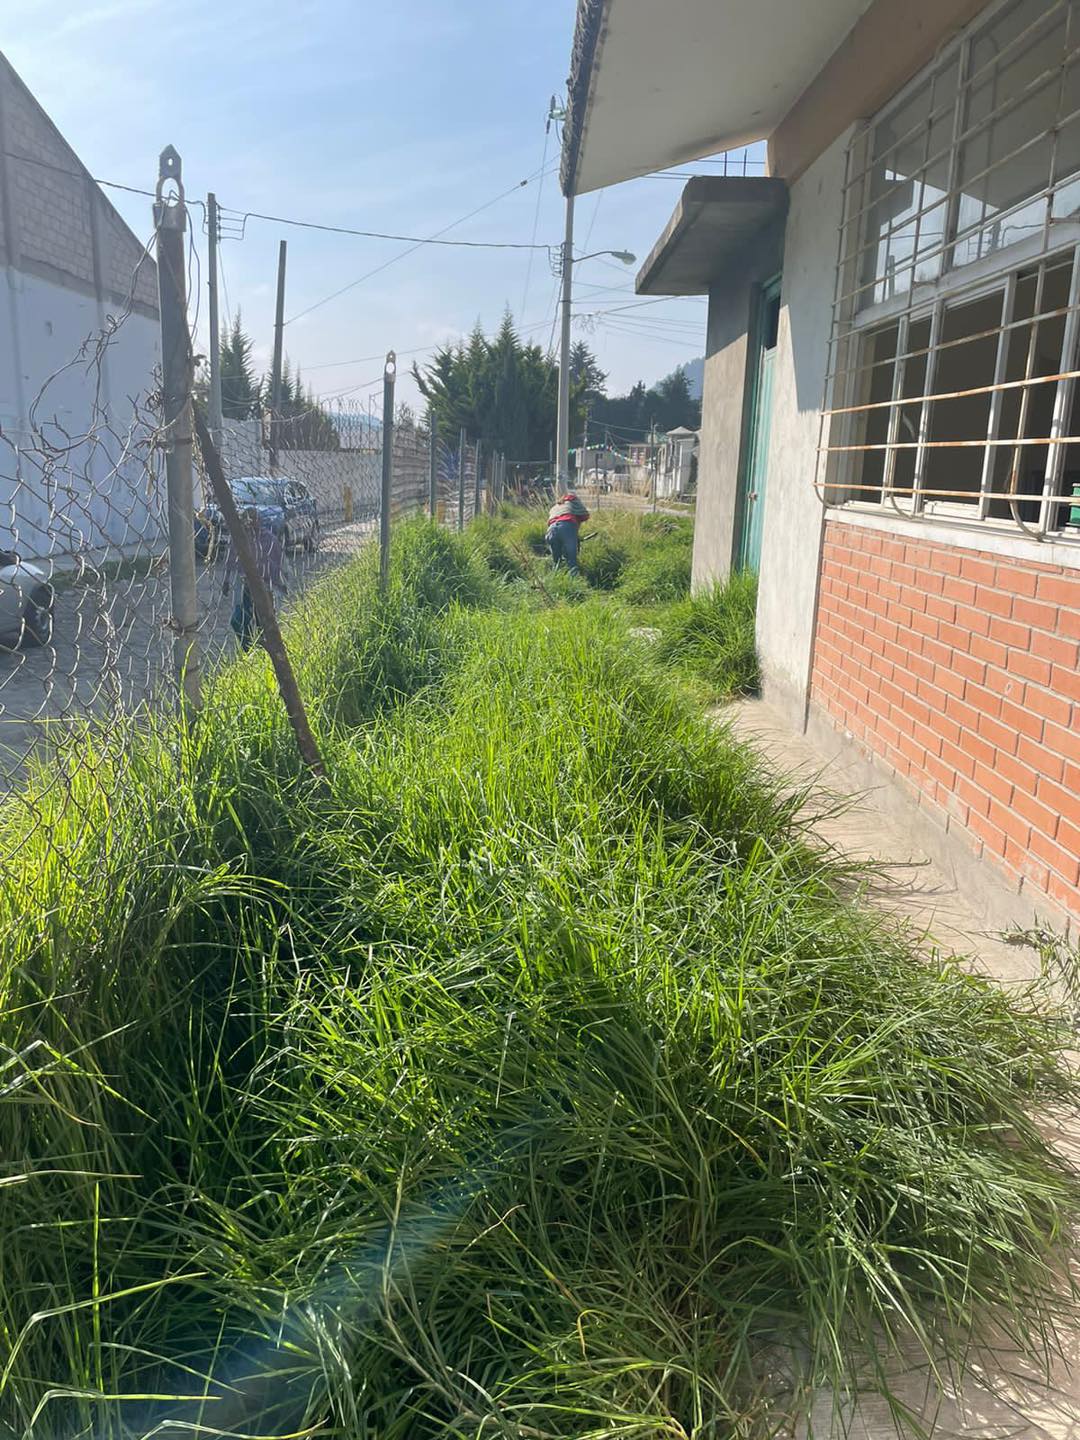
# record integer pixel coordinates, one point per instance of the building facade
(71, 272)
(891, 421)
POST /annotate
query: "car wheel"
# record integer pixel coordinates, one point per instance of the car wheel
(38, 619)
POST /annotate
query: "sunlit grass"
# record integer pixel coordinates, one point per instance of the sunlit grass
(535, 1081)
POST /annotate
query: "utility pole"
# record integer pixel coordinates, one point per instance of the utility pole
(562, 434)
(170, 223)
(275, 373)
(461, 481)
(389, 375)
(433, 464)
(213, 235)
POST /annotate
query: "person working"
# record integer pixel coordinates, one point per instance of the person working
(564, 518)
(269, 554)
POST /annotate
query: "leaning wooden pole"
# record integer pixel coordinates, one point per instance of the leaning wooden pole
(270, 631)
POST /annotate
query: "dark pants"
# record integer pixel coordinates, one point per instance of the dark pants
(562, 539)
(243, 620)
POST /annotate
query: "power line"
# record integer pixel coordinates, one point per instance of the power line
(415, 244)
(85, 175)
(592, 222)
(640, 304)
(621, 328)
(412, 239)
(536, 216)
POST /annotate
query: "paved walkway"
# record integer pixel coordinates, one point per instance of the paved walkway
(112, 647)
(1014, 1401)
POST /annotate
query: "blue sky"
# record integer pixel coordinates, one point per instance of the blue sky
(398, 117)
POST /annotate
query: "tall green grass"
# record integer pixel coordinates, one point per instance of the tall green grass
(711, 636)
(534, 1082)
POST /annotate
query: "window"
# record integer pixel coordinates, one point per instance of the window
(955, 342)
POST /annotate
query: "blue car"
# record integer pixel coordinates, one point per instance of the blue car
(287, 506)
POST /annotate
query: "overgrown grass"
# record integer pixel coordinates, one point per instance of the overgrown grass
(534, 1082)
(711, 636)
(643, 561)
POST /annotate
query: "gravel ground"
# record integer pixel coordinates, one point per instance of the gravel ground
(111, 647)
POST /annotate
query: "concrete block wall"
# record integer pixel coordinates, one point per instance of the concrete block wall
(56, 223)
(960, 670)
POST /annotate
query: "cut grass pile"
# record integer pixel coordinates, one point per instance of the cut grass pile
(535, 1082)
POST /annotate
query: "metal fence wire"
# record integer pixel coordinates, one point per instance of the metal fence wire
(87, 627)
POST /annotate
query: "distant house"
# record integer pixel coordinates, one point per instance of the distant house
(68, 263)
(891, 423)
(675, 461)
(592, 461)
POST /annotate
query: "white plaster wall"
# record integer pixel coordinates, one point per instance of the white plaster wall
(75, 473)
(793, 519)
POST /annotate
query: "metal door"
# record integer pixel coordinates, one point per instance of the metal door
(756, 457)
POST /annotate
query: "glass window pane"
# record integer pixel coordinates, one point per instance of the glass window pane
(1034, 348)
(871, 427)
(1005, 155)
(897, 155)
(913, 386)
(1067, 154)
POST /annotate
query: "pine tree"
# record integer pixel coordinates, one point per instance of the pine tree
(585, 372)
(500, 390)
(239, 388)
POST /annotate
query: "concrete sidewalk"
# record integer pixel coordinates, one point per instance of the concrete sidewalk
(1013, 1399)
(911, 882)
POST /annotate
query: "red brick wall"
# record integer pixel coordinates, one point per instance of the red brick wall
(961, 670)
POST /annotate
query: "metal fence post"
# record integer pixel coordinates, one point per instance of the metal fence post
(477, 478)
(170, 220)
(433, 465)
(275, 372)
(213, 231)
(461, 480)
(389, 374)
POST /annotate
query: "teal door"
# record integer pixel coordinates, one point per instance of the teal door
(756, 456)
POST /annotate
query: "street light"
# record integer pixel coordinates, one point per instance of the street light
(562, 433)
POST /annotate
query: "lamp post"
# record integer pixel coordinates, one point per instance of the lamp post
(562, 433)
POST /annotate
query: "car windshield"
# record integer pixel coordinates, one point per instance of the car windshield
(257, 491)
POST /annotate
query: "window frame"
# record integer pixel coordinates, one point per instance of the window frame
(856, 322)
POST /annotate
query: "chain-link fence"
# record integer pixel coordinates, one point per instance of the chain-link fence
(90, 529)
(86, 609)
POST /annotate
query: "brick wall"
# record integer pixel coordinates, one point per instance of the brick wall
(961, 670)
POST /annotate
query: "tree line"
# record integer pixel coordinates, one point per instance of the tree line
(501, 389)
(301, 422)
(506, 391)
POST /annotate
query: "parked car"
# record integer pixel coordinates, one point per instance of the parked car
(26, 603)
(287, 506)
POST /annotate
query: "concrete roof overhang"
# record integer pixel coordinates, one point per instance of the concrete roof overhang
(716, 217)
(656, 84)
